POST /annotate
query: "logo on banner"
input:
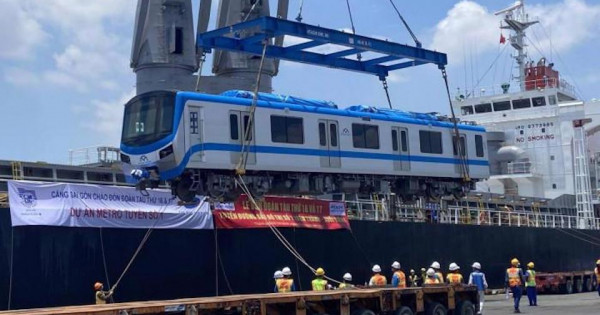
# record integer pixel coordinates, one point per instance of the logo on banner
(28, 197)
(337, 209)
(229, 206)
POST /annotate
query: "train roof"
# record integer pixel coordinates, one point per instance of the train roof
(277, 101)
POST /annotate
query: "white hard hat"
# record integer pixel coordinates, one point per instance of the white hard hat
(453, 267)
(376, 268)
(435, 265)
(430, 272)
(347, 277)
(286, 271)
(396, 265)
(476, 265)
(278, 274)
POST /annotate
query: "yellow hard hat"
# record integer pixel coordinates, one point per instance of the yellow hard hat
(514, 262)
(598, 262)
(320, 272)
(530, 264)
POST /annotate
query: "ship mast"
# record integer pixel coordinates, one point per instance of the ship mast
(517, 20)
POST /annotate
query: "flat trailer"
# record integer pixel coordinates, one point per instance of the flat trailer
(431, 300)
(566, 282)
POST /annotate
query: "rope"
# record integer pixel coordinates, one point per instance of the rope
(358, 56)
(387, 93)
(491, 66)
(104, 262)
(579, 238)
(586, 235)
(202, 60)
(251, 10)
(299, 17)
(280, 237)
(216, 264)
(414, 37)
(241, 167)
(10, 278)
(464, 169)
(141, 245)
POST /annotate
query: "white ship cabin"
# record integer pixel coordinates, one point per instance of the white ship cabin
(530, 133)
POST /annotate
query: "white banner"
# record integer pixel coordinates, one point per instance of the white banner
(78, 205)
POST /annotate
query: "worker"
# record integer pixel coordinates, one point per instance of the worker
(102, 297)
(436, 267)
(514, 280)
(413, 279)
(377, 280)
(278, 275)
(454, 277)
(530, 284)
(477, 278)
(423, 275)
(286, 284)
(431, 277)
(347, 284)
(399, 278)
(597, 274)
(319, 283)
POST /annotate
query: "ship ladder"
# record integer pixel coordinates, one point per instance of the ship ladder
(536, 212)
(378, 207)
(482, 213)
(17, 170)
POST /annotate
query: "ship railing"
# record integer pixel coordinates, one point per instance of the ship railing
(93, 156)
(514, 168)
(538, 84)
(369, 210)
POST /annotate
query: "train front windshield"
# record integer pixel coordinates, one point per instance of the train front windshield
(148, 118)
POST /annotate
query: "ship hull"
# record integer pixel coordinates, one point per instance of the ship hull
(56, 266)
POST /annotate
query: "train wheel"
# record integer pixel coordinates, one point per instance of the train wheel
(578, 285)
(465, 308)
(588, 285)
(404, 310)
(567, 288)
(363, 312)
(435, 308)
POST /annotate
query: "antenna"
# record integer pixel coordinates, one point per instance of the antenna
(517, 20)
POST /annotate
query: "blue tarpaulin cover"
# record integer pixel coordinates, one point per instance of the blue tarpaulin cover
(267, 97)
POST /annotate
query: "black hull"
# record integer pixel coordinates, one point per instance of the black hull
(58, 266)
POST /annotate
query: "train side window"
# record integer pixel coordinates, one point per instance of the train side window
(467, 110)
(430, 142)
(462, 145)
(394, 140)
(322, 134)
(479, 146)
(365, 136)
(234, 127)
(404, 140)
(539, 101)
(483, 108)
(500, 106)
(287, 129)
(333, 134)
(246, 121)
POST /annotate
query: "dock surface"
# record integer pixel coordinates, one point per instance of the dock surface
(551, 304)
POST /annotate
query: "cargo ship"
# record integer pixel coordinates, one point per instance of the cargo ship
(507, 216)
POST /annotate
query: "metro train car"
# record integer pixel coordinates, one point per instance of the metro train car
(296, 146)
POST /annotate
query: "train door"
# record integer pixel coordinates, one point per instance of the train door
(329, 142)
(400, 148)
(238, 121)
(193, 132)
(464, 151)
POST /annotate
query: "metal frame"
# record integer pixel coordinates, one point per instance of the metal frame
(265, 29)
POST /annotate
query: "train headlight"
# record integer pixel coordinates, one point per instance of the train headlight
(125, 158)
(166, 152)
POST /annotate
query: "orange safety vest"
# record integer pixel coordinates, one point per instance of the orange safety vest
(284, 285)
(401, 279)
(378, 280)
(455, 278)
(440, 276)
(432, 280)
(514, 278)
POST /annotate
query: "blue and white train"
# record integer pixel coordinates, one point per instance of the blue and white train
(296, 146)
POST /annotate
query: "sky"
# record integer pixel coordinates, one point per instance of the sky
(65, 76)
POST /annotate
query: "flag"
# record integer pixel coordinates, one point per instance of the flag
(502, 39)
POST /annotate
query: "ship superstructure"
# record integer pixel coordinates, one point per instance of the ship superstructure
(538, 128)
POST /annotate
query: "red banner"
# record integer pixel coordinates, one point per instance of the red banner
(281, 212)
